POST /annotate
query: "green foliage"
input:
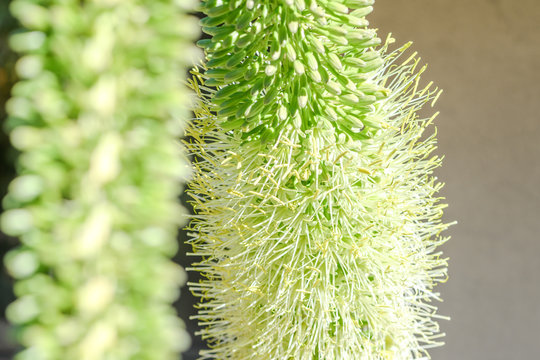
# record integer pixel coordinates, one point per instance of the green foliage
(96, 116)
(315, 202)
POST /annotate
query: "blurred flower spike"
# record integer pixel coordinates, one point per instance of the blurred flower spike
(97, 116)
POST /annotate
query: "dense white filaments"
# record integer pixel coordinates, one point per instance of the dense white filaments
(316, 215)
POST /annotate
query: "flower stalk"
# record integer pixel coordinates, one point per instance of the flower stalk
(316, 209)
(96, 116)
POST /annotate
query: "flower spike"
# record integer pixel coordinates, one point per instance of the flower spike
(96, 115)
(316, 209)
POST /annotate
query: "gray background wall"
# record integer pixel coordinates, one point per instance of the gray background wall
(485, 54)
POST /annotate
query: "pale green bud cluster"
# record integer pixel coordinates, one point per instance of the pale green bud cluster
(316, 214)
(277, 56)
(96, 117)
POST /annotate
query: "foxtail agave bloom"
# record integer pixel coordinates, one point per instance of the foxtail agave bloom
(96, 116)
(316, 214)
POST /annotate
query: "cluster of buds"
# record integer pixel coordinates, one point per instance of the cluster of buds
(97, 115)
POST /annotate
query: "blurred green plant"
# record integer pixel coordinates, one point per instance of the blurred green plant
(315, 201)
(97, 115)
